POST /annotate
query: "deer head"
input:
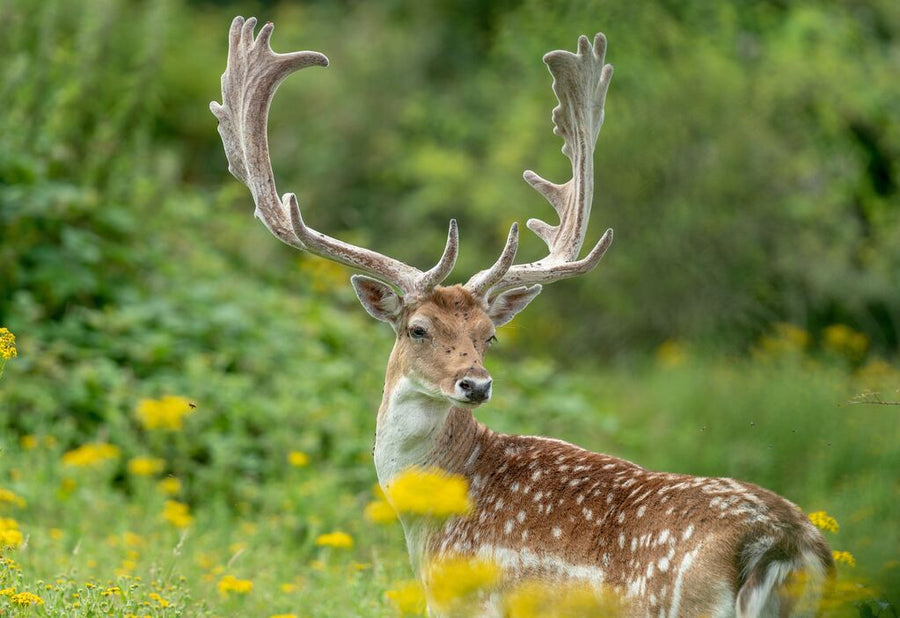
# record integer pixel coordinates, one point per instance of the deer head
(442, 332)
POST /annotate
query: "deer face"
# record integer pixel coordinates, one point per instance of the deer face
(442, 338)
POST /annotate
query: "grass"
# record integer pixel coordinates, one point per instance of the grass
(107, 538)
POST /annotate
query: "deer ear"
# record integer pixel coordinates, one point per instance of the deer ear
(378, 298)
(504, 307)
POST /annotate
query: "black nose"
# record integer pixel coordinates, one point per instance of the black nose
(474, 389)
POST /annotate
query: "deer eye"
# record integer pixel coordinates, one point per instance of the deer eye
(491, 341)
(418, 332)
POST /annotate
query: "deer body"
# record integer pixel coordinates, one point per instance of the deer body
(669, 544)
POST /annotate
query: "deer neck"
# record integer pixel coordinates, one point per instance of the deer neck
(417, 429)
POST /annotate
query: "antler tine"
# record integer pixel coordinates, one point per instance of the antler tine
(580, 81)
(481, 283)
(251, 78)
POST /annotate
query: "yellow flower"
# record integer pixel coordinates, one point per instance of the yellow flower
(533, 599)
(145, 466)
(166, 413)
(10, 497)
(28, 442)
(90, 455)
(132, 539)
(843, 340)
(230, 583)
(408, 598)
(7, 345)
(338, 539)
(7, 592)
(454, 580)
(169, 486)
(161, 601)
(786, 339)
(671, 354)
(844, 557)
(380, 512)
(177, 514)
(298, 459)
(431, 492)
(823, 520)
(10, 535)
(26, 598)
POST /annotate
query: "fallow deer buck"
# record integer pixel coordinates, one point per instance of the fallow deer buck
(669, 544)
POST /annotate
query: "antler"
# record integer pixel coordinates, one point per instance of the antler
(251, 77)
(580, 82)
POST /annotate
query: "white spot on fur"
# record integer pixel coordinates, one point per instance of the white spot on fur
(557, 532)
(640, 511)
(509, 526)
(687, 532)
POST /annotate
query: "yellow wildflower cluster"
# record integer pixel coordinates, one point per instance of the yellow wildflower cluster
(843, 340)
(823, 520)
(785, 339)
(177, 513)
(10, 535)
(166, 413)
(534, 599)
(844, 557)
(459, 582)
(90, 455)
(298, 459)
(230, 583)
(338, 539)
(379, 510)
(10, 497)
(7, 345)
(429, 491)
(408, 598)
(145, 466)
(26, 598)
(159, 600)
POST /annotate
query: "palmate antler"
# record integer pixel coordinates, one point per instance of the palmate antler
(580, 82)
(253, 74)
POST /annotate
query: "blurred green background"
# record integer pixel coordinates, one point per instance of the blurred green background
(749, 165)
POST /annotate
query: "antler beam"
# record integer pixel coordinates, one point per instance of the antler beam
(251, 78)
(580, 82)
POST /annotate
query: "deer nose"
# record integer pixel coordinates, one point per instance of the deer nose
(476, 390)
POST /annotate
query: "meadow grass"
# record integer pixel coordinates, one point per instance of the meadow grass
(116, 525)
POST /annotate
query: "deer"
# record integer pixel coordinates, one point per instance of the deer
(669, 544)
